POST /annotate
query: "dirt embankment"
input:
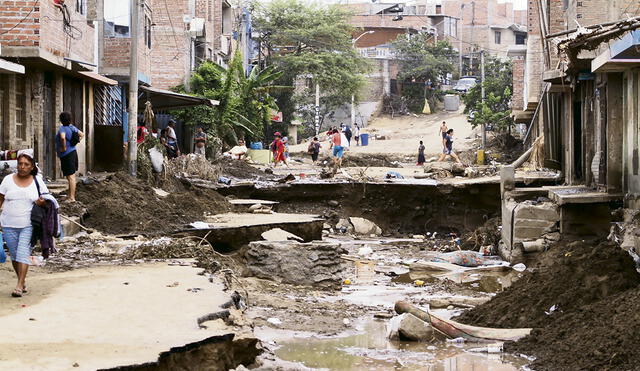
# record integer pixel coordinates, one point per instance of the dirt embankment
(122, 205)
(596, 294)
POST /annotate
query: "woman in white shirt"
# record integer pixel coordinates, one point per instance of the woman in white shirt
(18, 193)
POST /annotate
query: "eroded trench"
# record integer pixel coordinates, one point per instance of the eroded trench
(399, 209)
(346, 329)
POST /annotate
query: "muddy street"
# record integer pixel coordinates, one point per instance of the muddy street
(291, 185)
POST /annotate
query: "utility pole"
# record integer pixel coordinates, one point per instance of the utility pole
(133, 91)
(473, 29)
(460, 39)
(483, 94)
(317, 108)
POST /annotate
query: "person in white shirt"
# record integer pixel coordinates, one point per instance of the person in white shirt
(356, 134)
(18, 194)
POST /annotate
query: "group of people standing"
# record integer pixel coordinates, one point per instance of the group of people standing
(169, 139)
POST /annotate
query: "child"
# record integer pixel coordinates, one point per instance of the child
(421, 159)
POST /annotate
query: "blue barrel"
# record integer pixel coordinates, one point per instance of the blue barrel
(364, 139)
(256, 145)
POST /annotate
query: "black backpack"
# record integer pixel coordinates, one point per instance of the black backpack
(75, 137)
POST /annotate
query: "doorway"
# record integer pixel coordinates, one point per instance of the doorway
(577, 141)
(49, 126)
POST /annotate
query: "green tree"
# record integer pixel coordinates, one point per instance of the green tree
(423, 68)
(498, 85)
(245, 103)
(308, 41)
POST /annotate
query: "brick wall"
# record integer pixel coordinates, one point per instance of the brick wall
(171, 51)
(517, 100)
(117, 50)
(556, 14)
(26, 33)
(57, 42)
(32, 23)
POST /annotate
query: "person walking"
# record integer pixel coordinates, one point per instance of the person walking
(338, 148)
(448, 147)
(18, 193)
(356, 134)
(314, 149)
(277, 147)
(442, 133)
(348, 133)
(421, 159)
(200, 142)
(68, 137)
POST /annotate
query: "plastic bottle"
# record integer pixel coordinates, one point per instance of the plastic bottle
(456, 340)
(224, 180)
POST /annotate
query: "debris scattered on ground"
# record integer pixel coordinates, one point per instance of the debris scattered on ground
(595, 290)
(453, 329)
(120, 204)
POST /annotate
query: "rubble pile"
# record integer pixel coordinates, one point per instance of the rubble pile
(120, 204)
(582, 301)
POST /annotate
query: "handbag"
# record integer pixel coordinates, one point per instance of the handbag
(37, 212)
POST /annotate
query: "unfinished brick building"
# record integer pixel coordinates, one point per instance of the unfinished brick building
(56, 46)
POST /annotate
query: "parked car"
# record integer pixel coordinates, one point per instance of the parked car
(465, 83)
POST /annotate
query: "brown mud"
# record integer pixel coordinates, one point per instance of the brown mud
(397, 208)
(595, 290)
(122, 205)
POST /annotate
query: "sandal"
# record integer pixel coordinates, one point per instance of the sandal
(17, 293)
(24, 290)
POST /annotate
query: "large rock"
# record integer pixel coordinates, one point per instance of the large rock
(409, 327)
(364, 226)
(317, 264)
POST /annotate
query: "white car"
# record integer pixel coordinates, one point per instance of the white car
(464, 84)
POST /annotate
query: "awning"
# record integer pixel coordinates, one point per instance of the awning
(10, 67)
(621, 55)
(164, 99)
(96, 77)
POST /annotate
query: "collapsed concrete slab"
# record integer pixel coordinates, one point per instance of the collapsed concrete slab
(316, 264)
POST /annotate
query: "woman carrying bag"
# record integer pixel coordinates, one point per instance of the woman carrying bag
(18, 194)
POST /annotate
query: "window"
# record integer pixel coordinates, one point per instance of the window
(21, 108)
(147, 31)
(81, 7)
(521, 39)
(565, 4)
(498, 37)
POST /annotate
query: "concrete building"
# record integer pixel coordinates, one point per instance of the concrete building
(487, 25)
(173, 41)
(580, 94)
(56, 46)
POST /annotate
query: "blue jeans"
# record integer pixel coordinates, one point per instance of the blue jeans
(19, 243)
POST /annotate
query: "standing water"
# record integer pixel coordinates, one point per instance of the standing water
(366, 346)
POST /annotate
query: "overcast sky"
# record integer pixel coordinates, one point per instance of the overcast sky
(117, 11)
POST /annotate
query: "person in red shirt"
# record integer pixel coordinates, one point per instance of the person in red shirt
(277, 147)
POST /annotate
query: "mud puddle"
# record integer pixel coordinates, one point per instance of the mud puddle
(370, 349)
(379, 276)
